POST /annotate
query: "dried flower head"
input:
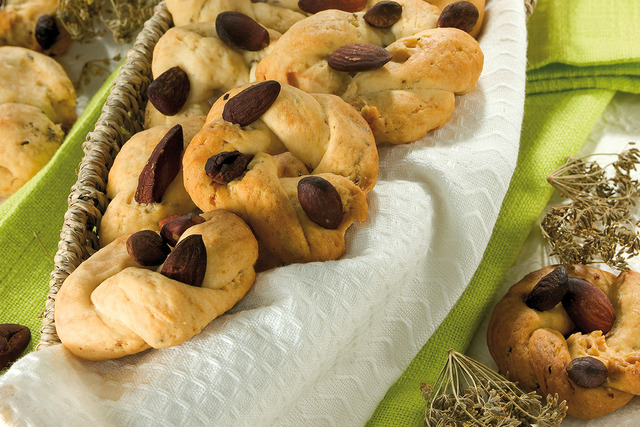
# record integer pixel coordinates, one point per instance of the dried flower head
(598, 223)
(468, 393)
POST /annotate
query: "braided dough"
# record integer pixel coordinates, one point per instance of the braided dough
(124, 215)
(530, 345)
(110, 306)
(404, 99)
(299, 134)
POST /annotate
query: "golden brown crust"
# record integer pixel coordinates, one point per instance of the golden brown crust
(110, 306)
(531, 347)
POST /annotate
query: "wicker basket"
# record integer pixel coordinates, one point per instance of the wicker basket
(122, 116)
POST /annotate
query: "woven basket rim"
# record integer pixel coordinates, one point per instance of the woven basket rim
(122, 115)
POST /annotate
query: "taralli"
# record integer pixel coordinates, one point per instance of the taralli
(28, 77)
(278, 15)
(124, 215)
(32, 24)
(252, 166)
(112, 305)
(403, 78)
(29, 140)
(210, 65)
(572, 332)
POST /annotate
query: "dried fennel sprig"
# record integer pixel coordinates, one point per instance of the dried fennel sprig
(122, 17)
(468, 393)
(598, 224)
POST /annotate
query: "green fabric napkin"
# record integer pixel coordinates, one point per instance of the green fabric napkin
(580, 53)
(30, 223)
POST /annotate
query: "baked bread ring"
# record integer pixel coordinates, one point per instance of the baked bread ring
(112, 306)
(28, 77)
(530, 344)
(124, 215)
(212, 67)
(279, 15)
(403, 99)
(298, 135)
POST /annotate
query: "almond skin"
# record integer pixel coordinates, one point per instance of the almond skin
(549, 291)
(250, 104)
(315, 6)
(161, 168)
(461, 14)
(383, 14)
(46, 31)
(147, 248)
(241, 32)
(587, 371)
(13, 341)
(320, 201)
(172, 229)
(358, 57)
(226, 166)
(187, 263)
(169, 91)
(588, 307)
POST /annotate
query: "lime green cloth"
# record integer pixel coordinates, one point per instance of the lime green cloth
(580, 53)
(30, 223)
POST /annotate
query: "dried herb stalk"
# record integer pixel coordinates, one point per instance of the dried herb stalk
(124, 18)
(468, 393)
(599, 223)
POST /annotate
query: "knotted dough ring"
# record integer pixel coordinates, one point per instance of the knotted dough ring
(111, 306)
(402, 100)
(530, 345)
(123, 214)
(300, 134)
(212, 66)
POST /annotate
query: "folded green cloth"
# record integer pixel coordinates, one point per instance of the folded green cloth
(580, 53)
(30, 223)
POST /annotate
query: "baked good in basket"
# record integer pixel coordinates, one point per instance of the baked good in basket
(574, 332)
(118, 303)
(403, 78)
(259, 142)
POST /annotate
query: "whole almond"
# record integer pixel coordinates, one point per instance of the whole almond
(169, 91)
(161, 168)
(383, 14)
(250, 104)
(549, 291)
(588, 307)
(320, 201)
(173, 229)
(241, 32)
(587, 371)
(187, 263)
(315, 6)
(461, 14)
(224, 167)
(46, 31)
(14, 339)
(147, 248)
(358, 57)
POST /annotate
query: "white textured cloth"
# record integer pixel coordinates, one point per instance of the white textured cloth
(321, 343)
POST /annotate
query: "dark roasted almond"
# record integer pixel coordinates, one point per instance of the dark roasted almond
(461, 14)
(383, 14)
(46, 31)
(588, 307)
(358, 57)
(187, 263)
(14, 339)
(320, 201)
(548, 292)
(587, 371)
(173, 229)
(147, 248)
(315, 6)
(241, 32)
(169, 91)
(250, 104)
(224, 167)
(161, 168)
